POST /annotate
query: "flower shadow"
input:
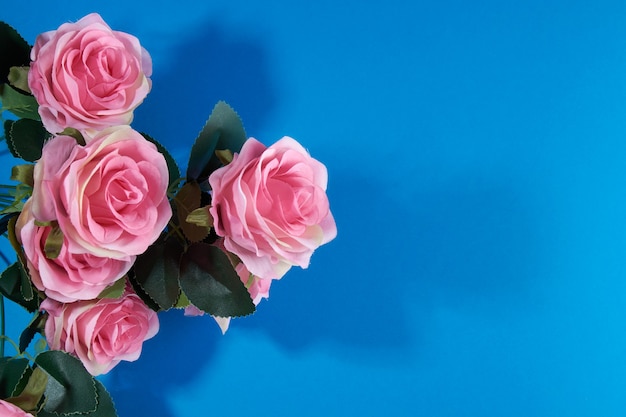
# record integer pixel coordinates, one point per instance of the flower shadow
(352, 295)
(373, 294)
(213, 63)
(141, 387)
(479, 245)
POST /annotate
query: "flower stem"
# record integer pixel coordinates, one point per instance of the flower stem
(2, 326)
(17, 349)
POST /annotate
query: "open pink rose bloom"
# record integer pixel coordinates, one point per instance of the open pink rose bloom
(86, 76)
(270, 205)
(101, 333)
(109, 197)
(70, 276)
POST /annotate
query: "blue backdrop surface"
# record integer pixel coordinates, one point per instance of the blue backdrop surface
(476, 155)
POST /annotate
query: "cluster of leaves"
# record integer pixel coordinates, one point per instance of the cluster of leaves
(56, 384)
(184, 266)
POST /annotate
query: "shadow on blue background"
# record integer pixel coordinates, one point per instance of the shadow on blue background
(215, 66)
(215, 63)
(472, 246)
(370, 289)
(140, 388)
(477, 244)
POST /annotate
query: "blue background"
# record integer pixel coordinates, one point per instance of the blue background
(476, 153)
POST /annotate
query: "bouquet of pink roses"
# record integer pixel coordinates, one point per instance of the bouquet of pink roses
(108, 232)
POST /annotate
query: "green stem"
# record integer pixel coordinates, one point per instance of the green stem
(2, 326)
(17, 349)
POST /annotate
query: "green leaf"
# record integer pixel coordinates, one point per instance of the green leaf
(26, 286)
(183, 301)
(16, 244)
(18, 78)
(74, 133)
(8, 124)
(26, 138)
(22, 382)
(12, 371)
(114, 291)
(34, 327)
(30, 397)
(106, 408)
(188, 199)
(224, 155)
(14, 50)
(40, 346)
(141, 293)
(15, 285)
(24, 174)
(73, 390)
(4, 222)
(201, 217)
(172, 167)
(21, 105)
(223, 130)
(54, 242)
(157, 270)
(211, 283)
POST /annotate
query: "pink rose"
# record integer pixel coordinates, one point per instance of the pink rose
(86, 76)
(100, 333)
(10, 410)
(270, 205)
(109, 197)
(70, 276)
(258, 288)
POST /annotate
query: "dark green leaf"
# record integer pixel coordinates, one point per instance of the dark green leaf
(211, 283)
(34, 327)
(73, 390)
(172, 167)
(14, 50)
(157, 270)
(17, 246)
(106, 408)
(26, 138)
(7, 129)
(23, 381)
(31, 395)
(15, 285)
(26, 286)
(4, 222)
(12, 371)
(141, 293)
(223, 130)
(20, 104)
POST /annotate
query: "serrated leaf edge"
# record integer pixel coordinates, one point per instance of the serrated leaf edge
(93, 382)
(14, 393)
(17, 33)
